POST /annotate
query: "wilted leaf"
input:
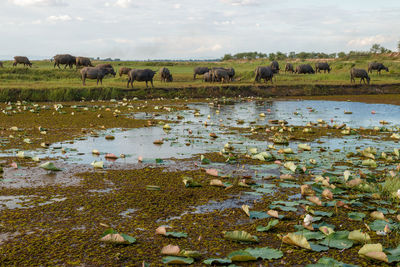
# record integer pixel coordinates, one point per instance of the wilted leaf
(98, 164)
(359, 237)
(113, 236)
(170, 250)
(212, 172)
(377, 215)
(296, 240)
(240, 236)
(49, 166)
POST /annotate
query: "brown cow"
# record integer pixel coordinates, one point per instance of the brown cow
(21, 60)
(124, 70)
(83, 61)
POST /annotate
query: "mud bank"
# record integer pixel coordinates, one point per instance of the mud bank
(105, 93)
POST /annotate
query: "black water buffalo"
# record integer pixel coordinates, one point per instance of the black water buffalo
(304, 69)
(94, 73)
(274, 66)
(265, 73)
(377, 66)
(145, 75)
(21, 60)
(83, 61)
(200, 71)
(322, 66)
(65, 59)
(123, 70)
(220, 75)
(166, 75)
(107, 66)
(359, 73)
(289, 67)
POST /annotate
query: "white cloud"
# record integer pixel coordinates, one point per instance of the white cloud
(59, 18)
(177, 6)
(242, 2)
(124, 3)
(369, 40)
(38, 2)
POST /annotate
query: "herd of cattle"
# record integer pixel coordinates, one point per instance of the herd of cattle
(216, 74)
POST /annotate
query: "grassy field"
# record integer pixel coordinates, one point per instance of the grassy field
(43, 76)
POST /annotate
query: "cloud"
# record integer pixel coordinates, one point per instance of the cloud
(242, 2)
(24, 3)
(369, 40)
(124, 3)
(59, 18)
(177, 6)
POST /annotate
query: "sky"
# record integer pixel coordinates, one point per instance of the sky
(193, 29)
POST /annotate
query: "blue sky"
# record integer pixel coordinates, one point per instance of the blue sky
(171, 29)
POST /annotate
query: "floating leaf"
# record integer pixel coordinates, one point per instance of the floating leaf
(98, 164)
(325, 261)
(270, 224)
(170, 250)
(49, 166)
(290, 166)
(337, 240)
(304, 147)
(241, 255)
(296, 240)
(153, 187)
(189, 182)
(323, 213)
(378, 215)
(373, 251)
(356, 216)
(212, 172)
(265, 253)
(240, 236)
(177, 260)
(113, 236)
(359, 237)
(326, 230)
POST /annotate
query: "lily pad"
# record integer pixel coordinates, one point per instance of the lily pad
(214, 261)
(356, 216)
(241, 236)
(177, 260)
(112, 236)
(49, 166)
(270, 224)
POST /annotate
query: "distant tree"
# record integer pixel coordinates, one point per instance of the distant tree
(227, 57)
(303, 55)
(341, 54)
(398, 46)
(384, 50)
(292, 54)
(272, 56)
(376, 48)
(280, 56)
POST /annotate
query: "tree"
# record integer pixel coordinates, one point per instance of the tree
(375, 48)
(292, 54)
(272, 56)
(227, 57)
(341, 54)
(398, 46)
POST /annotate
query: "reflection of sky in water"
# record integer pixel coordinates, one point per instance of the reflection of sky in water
(179, 143)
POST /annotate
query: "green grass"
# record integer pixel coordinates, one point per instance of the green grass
(65, 84)
(390, 187)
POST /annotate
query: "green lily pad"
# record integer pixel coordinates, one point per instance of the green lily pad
(310, 235)
(356, 216)
(323, 213)
(270, 224)
(283, 208)
(49, 166)
(176, 234)
(177, 260)
(265, 253)
(379, 225)
(241, 255)
(258, 215)
(325, 261)
(337, 240)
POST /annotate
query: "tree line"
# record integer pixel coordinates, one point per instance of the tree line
(375, 49)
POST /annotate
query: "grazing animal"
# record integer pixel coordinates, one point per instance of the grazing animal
(145, 75)
(83, 61)
(304, 69)
(107, 66)
(207, 77)
(21, 60)
(1, 64)
(220, 75)
(200, 71)
(289, 67)
(94, 73)
(322, 66)
(275, 66)
(65, 59)
(359, 73)
(377, 66)
(265, 73)
(166, 76)
(123, 70)
(231, 73)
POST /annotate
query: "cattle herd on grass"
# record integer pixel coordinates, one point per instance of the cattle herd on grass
(211, 75)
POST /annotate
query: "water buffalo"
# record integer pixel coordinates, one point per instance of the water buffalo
(207, 77)
(107, 66)
(275, 66)
(166, 76)
(322, 66)
(304, 68)
(94, 73)
(145, 75)
(123, 70)
(21, 60)
(265, 73)
(200, 71)
(220, 75)
(289, 67)
(377, 66)
(359, 73)
(66, 60)
(83, 61)
(1, 64)
(231, 73)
